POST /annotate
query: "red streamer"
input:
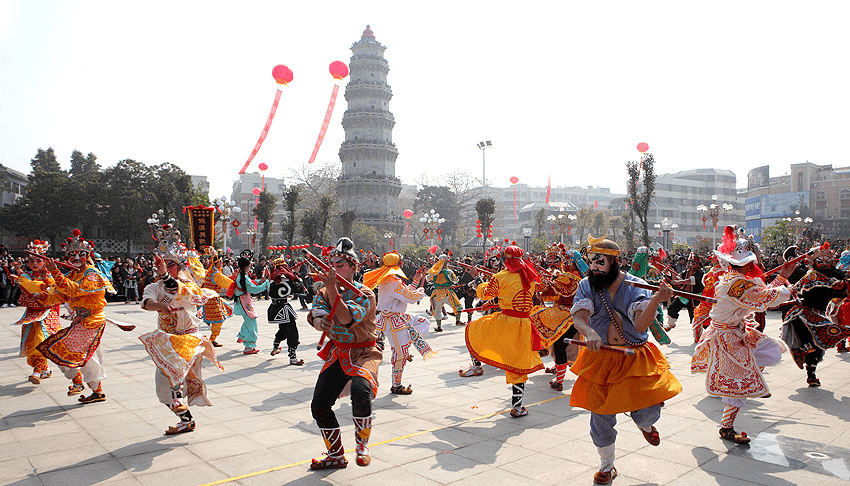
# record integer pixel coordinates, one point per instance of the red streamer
(263, 133)
(325, 123)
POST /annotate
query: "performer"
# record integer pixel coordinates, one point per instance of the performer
(284, 285)
(807, 328)
(244, 306)
(465, 289)
(177, 346)
(555, 323)
(215, 310)
(690, 280)
(76, 349)
(351, 357)
(443, 279)
(701, 320)
(493, 262)
(608, 311)
(507, 338)
(732, 352)
(38, 321)
(401, 328)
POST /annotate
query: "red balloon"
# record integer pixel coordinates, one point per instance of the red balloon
(282, 74)
(643, 147)
(338, 70)
(408, 213)
(263, 166)
(257, 191)
(514, 179)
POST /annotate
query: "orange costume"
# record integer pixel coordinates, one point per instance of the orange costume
(507, 338)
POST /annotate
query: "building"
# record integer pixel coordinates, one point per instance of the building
(201, 183)
(368, 184)
(243, 193)
(12, 187)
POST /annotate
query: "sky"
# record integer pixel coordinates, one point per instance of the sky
(562, 88)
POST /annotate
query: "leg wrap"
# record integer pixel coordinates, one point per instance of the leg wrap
(560, 372)
(333, 442)
(729, 414)
(362, 431)
(606, 458)
(517, 396)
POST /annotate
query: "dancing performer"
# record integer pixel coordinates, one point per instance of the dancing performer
(507, 338)
(465, 289)
(689, 280)
(215, 310)
(493, 263)
(443, 279)
(177, 346)
(76, 349)
(401, 328)
(609, 312)
(244, 306)
(808, 329)
(555, 323)
(39, 321)
(351, 357)
(284, 285)
(732, 352)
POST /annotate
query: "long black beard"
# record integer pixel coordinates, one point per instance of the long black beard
(831, 272)
(600, 282)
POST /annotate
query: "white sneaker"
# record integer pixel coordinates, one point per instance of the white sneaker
(4, 305)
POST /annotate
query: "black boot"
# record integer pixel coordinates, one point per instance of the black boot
(811, 378)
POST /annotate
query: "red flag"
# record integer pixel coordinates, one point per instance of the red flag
(596, 203)
(548, 188)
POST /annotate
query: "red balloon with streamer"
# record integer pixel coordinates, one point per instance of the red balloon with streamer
(256, 191)
(339, 71)
(643, 147)
(514, 180)
(282, 76)
(408, 213)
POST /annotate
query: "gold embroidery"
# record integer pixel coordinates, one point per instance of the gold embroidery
(737, 289)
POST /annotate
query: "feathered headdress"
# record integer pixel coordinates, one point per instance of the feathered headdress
(38, 246)
(76, 242)
(167, 237)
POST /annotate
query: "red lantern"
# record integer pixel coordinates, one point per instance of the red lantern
(257, 191)
(282, 74)
(263, 166)
(338, 70)
(643, 147)
(514, 179)
(408, 213)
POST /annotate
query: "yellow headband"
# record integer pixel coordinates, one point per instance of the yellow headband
(595, 248)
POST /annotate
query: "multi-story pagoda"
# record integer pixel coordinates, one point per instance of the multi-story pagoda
(368, 185)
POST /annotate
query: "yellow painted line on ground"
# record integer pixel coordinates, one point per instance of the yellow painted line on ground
(307, 461)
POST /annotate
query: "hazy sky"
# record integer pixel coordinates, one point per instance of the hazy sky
(567, 88)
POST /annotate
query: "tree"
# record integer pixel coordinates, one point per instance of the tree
(347, 218)
(86, 190)
(540, 222)
(778, 236)
(316, 180)
(43, 210)
(366, 237)
(264, 211)
(640, 203)
(442, 200)
(485, 208)
(291, 198)
(314, 222)
(130, 200)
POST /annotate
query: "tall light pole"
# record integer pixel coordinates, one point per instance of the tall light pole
(666, 225)
(483, 146)
(432, 222)
(713, 211)
(226, 208)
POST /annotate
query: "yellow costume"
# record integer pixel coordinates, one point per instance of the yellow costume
(38, 321)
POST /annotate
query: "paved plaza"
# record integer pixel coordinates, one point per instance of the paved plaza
(451, 430)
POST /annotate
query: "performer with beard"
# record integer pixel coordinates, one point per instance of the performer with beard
(807, 328)
(630, 375)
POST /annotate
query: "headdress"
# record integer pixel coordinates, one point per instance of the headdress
(345, 248)
(735, 251)
(603, 245)
(76, 242)
(790, 253)
(515, 263)
(38, 246)
(391, 266)
(555, 250)
(439, 265)
(692, 257)
(168, 244)
(824, 252)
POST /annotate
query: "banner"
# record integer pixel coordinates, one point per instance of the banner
(325, 123)
(201, 226)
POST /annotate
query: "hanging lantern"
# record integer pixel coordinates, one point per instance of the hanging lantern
(643, 147)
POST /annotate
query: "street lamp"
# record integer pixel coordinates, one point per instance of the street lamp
(432, 222)
(713, 211)
(227, 209)
(665, 226)
(389, 235)
(483, 146)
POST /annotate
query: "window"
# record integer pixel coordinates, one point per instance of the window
(820, 200)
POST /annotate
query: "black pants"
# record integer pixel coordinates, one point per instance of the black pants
(676, 305)
(328, 387)
(559, 348)
(287, 331)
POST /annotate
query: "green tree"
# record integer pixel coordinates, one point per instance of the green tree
(43, 210)
(86, 190)
(485, 208)
(366, 237)
(442, 200)
(347, 218)
(540, 222)
(778, 236)
(264, 211)
(539, 245)
(291, 198)
(640, 203)
(131, 201)
(314, 222)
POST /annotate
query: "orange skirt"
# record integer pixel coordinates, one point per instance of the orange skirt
(504, 342)
(610, 382)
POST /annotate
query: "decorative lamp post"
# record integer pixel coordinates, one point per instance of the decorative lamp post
(432, 222)
(665, 226)
(713, 211)
(229, 210)
(483, 146)
(389, 235)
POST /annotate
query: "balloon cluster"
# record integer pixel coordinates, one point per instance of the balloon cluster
(223, 205)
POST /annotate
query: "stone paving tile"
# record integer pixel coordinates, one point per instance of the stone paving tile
(14, 470)
(85, 474)
(71, 457)
(192, 474)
